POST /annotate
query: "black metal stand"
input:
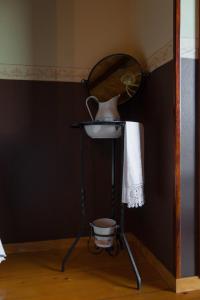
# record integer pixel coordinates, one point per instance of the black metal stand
(121, 235)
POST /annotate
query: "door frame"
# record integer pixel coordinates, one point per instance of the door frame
(177, 196)
(197, 171)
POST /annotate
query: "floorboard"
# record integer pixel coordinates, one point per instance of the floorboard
(36, 275)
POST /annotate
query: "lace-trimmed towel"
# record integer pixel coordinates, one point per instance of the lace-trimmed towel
(132, 183)
(2, 253)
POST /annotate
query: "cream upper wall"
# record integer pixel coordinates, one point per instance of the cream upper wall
(14, 32)
(98, 28)
(189, 28)
(189, 18)
(63, 32)
(103, 27)
(63, 39)
(153, 28)
(27, 31)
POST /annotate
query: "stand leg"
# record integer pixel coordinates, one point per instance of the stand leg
(113, 201)
(83, 211)
(127, 247)
(70, 250)
(122, 234)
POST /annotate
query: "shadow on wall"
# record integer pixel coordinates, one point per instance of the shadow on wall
(52, 33)
(153, 223)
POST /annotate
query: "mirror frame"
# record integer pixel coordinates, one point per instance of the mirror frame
(143, 74)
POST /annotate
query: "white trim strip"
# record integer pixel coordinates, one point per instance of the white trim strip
(160, 57)
(189, 48)
(42, 73)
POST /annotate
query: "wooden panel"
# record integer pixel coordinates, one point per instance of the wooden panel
(40, 162)
(153, 223)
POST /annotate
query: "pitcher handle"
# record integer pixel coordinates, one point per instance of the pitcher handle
(86, 102)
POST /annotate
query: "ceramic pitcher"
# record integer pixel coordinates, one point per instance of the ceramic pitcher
(107, 111)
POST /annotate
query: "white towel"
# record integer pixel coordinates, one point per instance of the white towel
(2, 253)
(132, 183)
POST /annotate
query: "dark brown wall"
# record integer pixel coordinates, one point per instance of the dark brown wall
(153, 223)
(40, 162)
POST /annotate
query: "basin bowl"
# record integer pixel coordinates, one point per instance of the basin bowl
(103, 131)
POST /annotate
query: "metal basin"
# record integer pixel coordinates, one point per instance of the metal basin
(103, 131)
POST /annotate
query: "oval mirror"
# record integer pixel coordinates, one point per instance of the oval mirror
(113, 75)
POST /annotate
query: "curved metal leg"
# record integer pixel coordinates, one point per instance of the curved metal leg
(127, 247)
(113, 198)
(135, 269)
(123, 239)
(67, 255)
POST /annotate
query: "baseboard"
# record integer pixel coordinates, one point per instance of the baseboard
(165, 274)
(14, 248)
(180, 285)
(187, 284)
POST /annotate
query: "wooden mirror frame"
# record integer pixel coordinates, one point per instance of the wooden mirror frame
(123, 63)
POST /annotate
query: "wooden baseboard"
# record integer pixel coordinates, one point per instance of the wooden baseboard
(165, 274)
(42, 245)
(180, 285)
(187, 284)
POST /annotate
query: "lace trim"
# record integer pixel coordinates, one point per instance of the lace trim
(2, 258)
(134, 195)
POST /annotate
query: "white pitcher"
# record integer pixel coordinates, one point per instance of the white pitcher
(107, 111)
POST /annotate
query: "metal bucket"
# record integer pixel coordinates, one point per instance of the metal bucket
(104, 232)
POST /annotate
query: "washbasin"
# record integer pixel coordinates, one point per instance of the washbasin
(103, 131)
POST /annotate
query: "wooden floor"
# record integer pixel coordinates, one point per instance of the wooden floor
(36, 275)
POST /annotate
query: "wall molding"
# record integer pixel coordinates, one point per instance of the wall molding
(42, 73)
(189, 47)
(72, 74)
(160, 57)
